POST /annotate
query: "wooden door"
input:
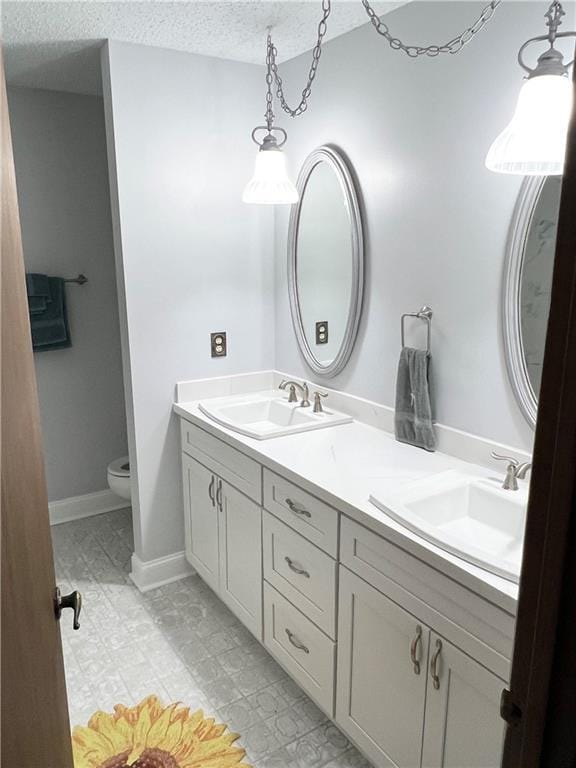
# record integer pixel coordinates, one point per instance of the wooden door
(463, 724)
(380, 692)
(35, 730)
(240, 555)
(540, 707)
(201, 520)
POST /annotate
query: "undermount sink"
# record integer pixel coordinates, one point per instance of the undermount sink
(472, 518)
(267, 415)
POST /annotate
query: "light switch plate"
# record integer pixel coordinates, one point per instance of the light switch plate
(218, 344)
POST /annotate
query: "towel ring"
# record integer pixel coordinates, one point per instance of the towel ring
(424, 314)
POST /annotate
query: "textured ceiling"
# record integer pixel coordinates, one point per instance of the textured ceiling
(55, 45)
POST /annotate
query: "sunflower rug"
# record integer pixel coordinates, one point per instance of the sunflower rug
(152, 736)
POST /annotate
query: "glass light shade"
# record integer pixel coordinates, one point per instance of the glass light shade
(534, 142)
(270, 184)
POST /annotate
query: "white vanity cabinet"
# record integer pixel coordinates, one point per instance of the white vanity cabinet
(405, 695)
(201, 520)
(463, 724)
(240, 534)
(223, 527)
(408, 661)
(381, 684)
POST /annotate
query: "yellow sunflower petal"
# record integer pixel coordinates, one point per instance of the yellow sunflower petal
(159, 728)
(173, 739)
(118, 732)
(90, 746)
(141, 730)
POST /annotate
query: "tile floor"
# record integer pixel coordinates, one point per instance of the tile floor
(180, 642)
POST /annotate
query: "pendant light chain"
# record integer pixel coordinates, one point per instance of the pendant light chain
(269, 80)
(452, 46)
(316, 53)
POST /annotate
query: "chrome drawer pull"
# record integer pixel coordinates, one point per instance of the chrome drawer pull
(297, 510)
(296, 643)
(296, 569)
(414, 649)
(211, 490)
(219, 495)
(434, 665)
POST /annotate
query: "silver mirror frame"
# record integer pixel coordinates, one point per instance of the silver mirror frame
(511, 310)
(335, 159)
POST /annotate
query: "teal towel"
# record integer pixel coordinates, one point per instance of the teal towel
(50, 326)
(38, 290)
(414, 417)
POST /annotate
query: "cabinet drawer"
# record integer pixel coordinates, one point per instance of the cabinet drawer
(479, 627)
(315, 520)
(301, 572)
(305, 652)
(231, 465)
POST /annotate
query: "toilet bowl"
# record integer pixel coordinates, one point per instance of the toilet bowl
(119, 477)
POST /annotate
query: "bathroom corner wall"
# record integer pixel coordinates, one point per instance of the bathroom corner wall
(61, 172)
(191, 257)
(416, 133)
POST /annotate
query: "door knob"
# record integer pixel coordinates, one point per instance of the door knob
(73, 600)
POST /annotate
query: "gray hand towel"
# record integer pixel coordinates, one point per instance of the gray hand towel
(413, 420)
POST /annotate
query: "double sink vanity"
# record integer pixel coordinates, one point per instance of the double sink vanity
(380, 576)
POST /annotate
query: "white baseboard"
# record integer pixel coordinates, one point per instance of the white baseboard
(77, 507)
(150, 574)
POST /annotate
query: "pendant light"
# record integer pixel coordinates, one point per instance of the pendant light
(534, 142)
(270, 184)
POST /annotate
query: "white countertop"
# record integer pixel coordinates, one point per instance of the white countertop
(343, 465)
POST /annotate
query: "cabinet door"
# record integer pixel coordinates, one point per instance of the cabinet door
(381, 692)
(463, 724)
(240, 555)
(201, 520)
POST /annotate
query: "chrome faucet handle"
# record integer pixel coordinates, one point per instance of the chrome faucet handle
(514, 470)
(292, 398)
(510, 459)
(318, 402)
(523, 469)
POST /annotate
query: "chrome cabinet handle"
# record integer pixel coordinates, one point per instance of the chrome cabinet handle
(295, 568)
(414, 650)
(434, 665)
(219, 495)
(296, 643)
(211, 490)
(297, 510)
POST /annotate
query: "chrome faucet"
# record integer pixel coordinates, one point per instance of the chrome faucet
(318, 402)
(305, 402)
(514, 471)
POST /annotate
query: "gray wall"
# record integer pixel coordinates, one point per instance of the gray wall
(416, 133)
(192, 258)
(61, 172)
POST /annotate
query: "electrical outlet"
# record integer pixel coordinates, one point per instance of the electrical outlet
(322, 332)
(218, 344)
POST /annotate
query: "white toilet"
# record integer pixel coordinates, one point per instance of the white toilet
(119, 477)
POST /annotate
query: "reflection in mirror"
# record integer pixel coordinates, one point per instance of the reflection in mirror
(536, 280)
(324, 263)
(528, 287)
(325, 259)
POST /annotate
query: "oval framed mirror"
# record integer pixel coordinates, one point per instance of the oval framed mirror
(326, 261)
(527, 287)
